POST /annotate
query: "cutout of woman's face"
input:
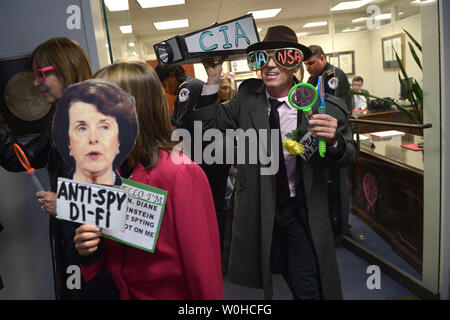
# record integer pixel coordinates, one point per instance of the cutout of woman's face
(93, 141)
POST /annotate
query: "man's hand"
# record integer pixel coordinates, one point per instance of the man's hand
(47, 201)
(87, 239)
(213, 68)
(324, 126)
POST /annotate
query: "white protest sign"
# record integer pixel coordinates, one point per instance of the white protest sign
(311, 146)
(144, 215)
(233, 35)
(94, 204)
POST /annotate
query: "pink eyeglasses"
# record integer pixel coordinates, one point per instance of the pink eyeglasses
(39, 74)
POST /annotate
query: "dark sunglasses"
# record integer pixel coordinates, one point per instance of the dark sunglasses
(288, 58)
(39, 74)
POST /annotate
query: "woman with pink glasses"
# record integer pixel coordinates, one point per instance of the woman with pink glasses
(56, 63)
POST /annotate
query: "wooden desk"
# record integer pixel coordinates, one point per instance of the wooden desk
(390, 116)
(386, 192)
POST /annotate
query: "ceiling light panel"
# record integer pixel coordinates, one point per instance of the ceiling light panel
(261, 14)
(348, 5)
(315, 24)
(116, 5)
(126, 29)
(172, 24)
(159, 3)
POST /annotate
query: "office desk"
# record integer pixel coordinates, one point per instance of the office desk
(386, 192)
(390, 116)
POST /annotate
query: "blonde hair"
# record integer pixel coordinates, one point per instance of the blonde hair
(67, 56)
(140, 80)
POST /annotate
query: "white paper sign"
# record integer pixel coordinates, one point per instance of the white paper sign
(311, 147)
(94, 204)
(238, 34)
(144, 215)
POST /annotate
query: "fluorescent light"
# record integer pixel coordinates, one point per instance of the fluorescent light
(347, 5)
(422, 1)
(359, 20)
(158, 3)
(383, 16)
(351, 30)
(261, 14)
(172, 24)
(131, 44)
(116, 5)
(401, 13)
(301, 34)
(126, 29)
(315, 24)
(259, 29)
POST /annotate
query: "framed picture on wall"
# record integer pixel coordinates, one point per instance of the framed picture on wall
(391, 45)
(22, 105)
(345, 60)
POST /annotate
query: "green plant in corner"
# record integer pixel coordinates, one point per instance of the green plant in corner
(414, 92)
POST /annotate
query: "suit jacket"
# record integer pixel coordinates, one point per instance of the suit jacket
(343, 85)
(364, 97)
(255, 202)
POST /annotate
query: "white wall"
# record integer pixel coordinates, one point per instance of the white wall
(368, 54)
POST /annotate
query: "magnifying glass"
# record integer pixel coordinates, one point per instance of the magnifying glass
(30, 171)
(303, 96)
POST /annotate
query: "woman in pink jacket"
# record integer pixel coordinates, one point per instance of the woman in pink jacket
(186, 261)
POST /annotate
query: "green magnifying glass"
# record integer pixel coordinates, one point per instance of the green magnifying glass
(303, 96)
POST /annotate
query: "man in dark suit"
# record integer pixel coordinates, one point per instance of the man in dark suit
(359, 102)
(281, 222)
(187, 91)
(336, 82)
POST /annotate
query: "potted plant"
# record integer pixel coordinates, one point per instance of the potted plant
(414, 92)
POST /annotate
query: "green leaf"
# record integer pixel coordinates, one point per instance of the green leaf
(296, 134)
(416, 58)
(413, 40)
(408, 114)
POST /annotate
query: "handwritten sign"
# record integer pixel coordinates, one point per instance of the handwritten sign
(93, 204)
(310, 143)
(143, 218)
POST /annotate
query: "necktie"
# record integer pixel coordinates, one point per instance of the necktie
(282, 184)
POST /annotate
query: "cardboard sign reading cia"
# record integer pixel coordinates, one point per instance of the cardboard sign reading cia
(229, 39)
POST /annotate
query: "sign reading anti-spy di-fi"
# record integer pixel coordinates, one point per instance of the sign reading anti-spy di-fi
(94, 204)
(228, 39)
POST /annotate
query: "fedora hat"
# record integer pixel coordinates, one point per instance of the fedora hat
(280, 37)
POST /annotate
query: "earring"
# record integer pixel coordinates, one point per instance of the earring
(70, 152)
(118, 151)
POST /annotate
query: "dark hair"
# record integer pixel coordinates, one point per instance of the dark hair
(316, 50)
(358, 78)
(155, 130)
(109, 100)
(166, 70)
(69, 59)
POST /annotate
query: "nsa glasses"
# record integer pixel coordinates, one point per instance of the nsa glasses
(288, 58)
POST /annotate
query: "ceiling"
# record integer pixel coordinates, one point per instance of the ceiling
(203, 13)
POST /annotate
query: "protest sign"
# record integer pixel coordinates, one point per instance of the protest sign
(143, 218)
(94, 204)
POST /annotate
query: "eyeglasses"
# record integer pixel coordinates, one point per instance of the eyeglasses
(288, 58)
(39, 74)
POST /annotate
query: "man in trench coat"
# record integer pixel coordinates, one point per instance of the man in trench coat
(270, 235)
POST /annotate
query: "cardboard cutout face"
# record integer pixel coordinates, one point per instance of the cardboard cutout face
(95, 129)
